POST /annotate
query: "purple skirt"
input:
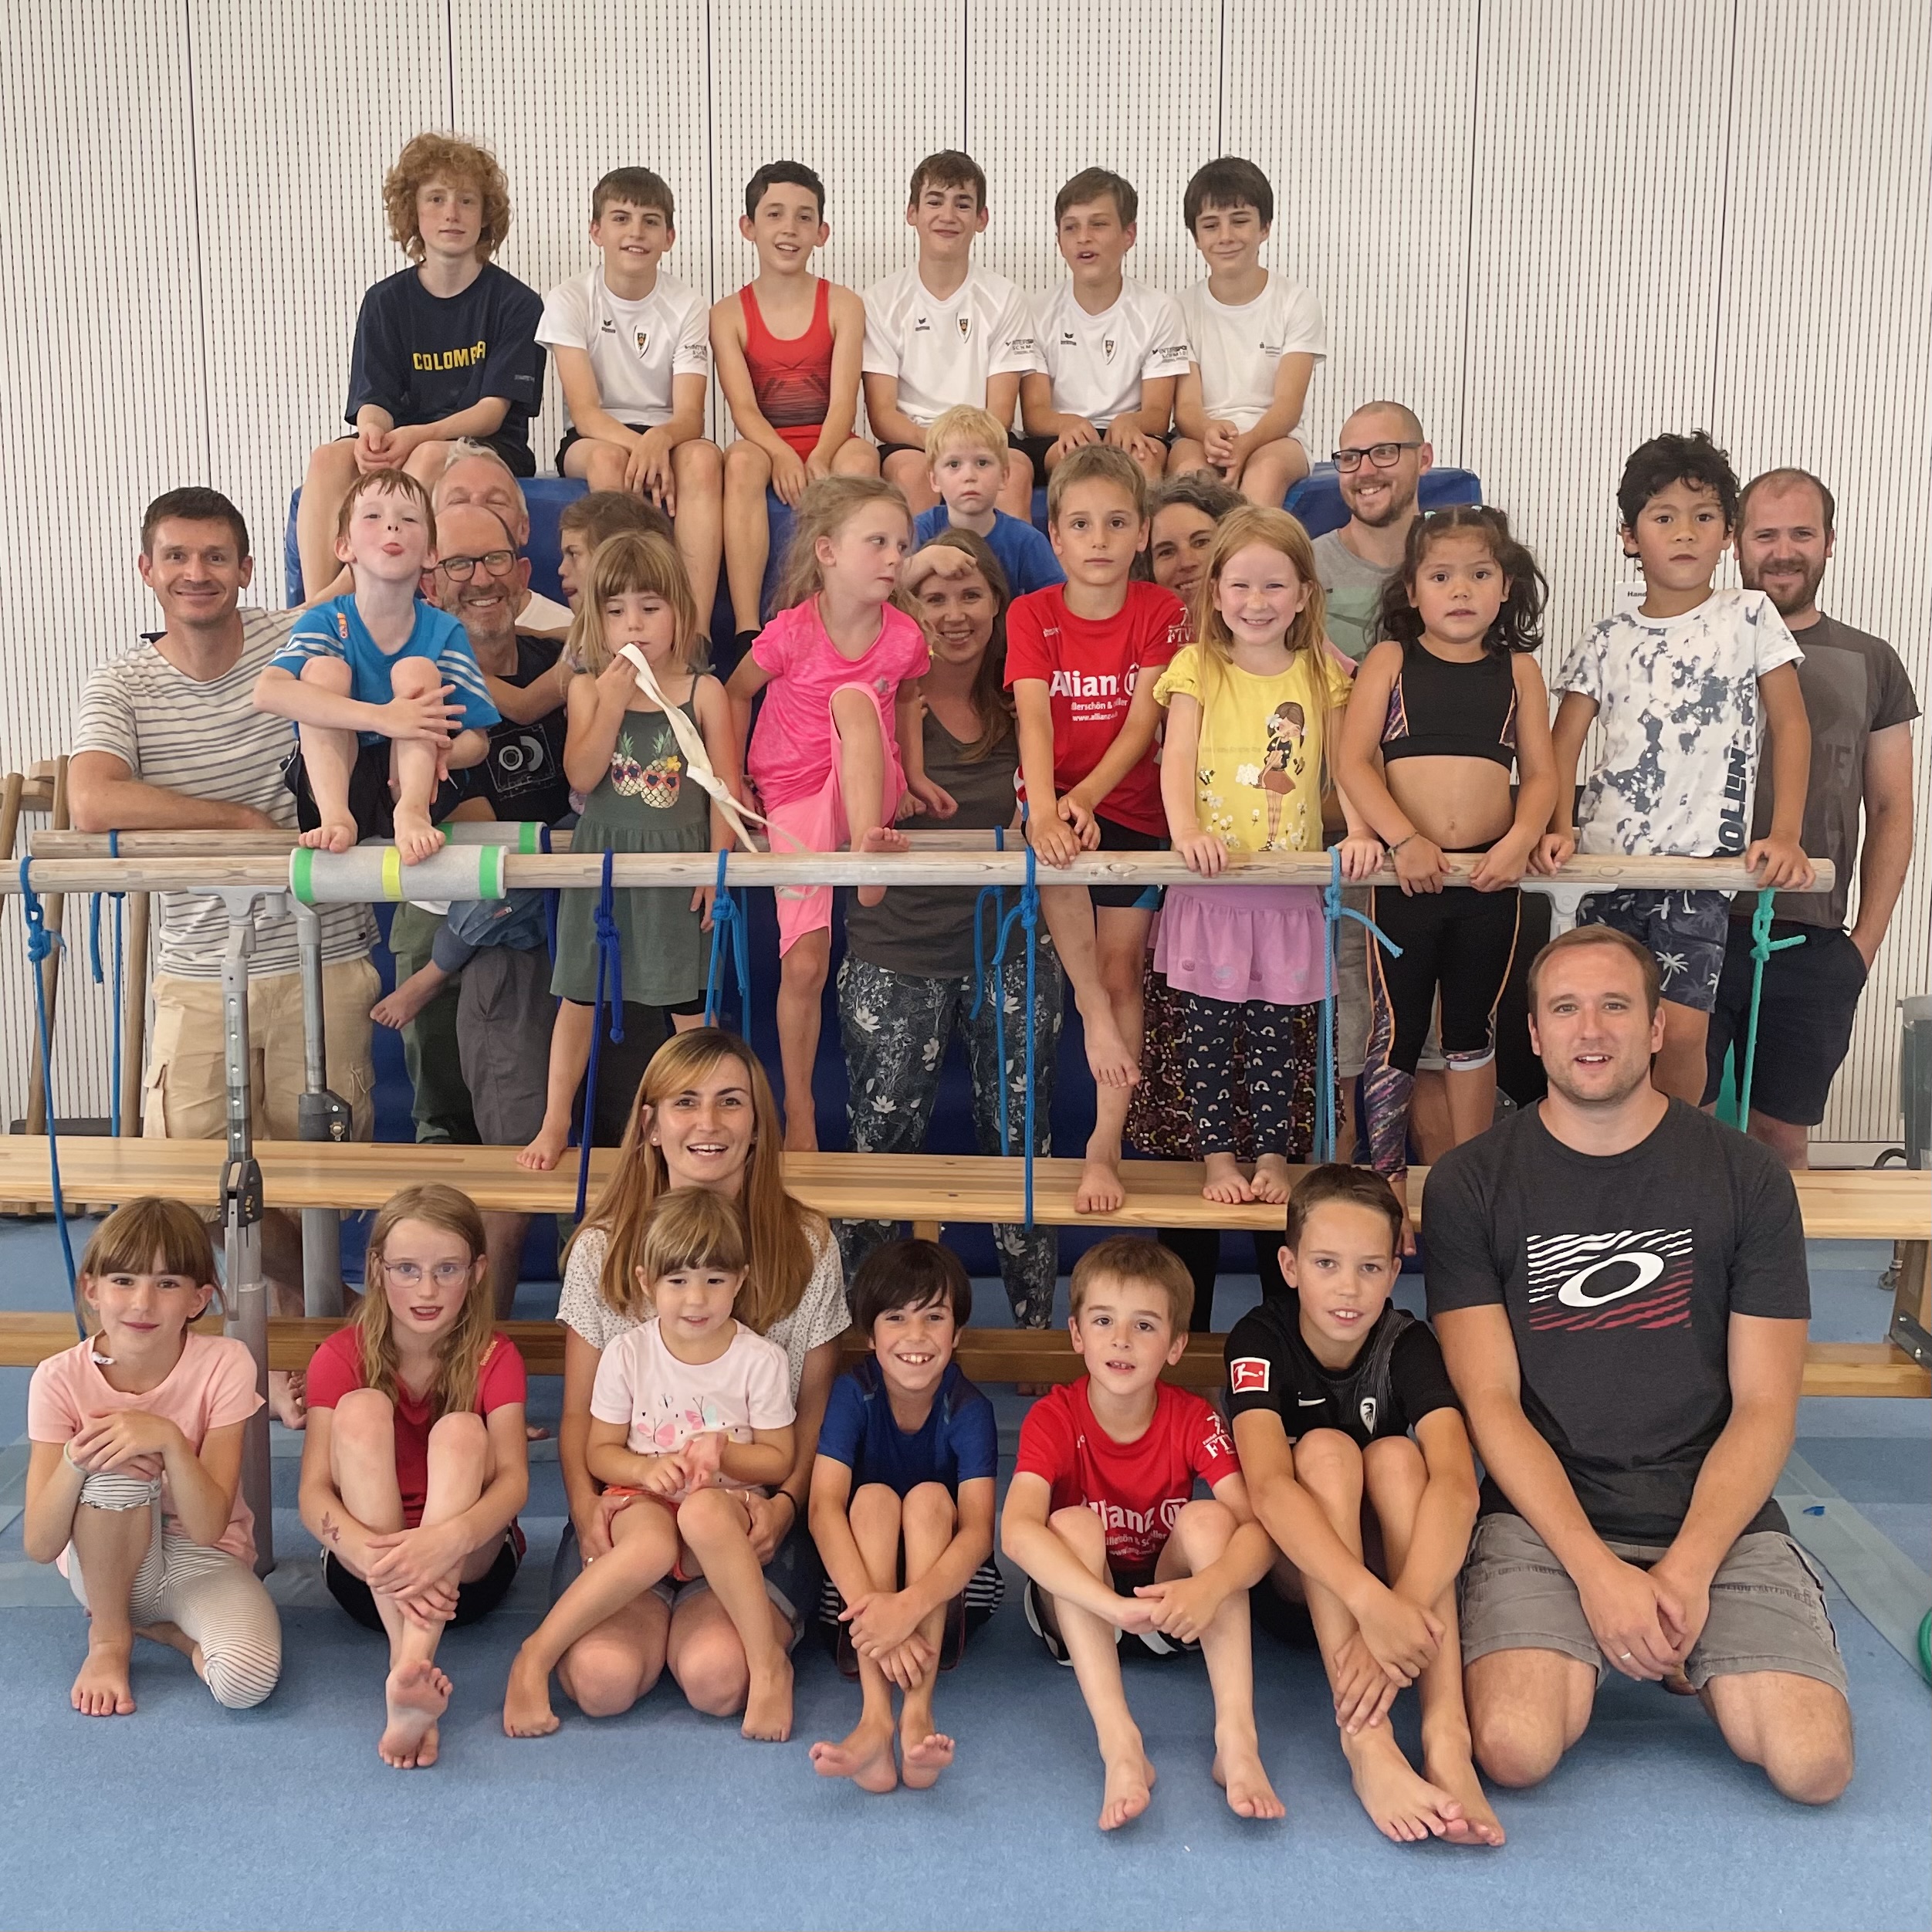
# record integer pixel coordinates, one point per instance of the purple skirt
(1243, 942)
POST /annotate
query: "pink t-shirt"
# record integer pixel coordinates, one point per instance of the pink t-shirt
(211, 1385)
(664, 1402)
(794, 747)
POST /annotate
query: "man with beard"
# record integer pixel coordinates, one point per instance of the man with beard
(1860, 703)
(1378, 468)
(1633, 1392)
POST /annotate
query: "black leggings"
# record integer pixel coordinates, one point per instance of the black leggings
(1458, 942)
(1199, 1248)
(1207, 1051)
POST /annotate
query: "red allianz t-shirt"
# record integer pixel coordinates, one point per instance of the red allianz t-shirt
(1135, 1488)
(1091, 668)
(335, 1368)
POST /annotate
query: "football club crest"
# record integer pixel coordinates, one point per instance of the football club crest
(1107, 345)
(966, 328)
(1367, 1411)
(643, 340)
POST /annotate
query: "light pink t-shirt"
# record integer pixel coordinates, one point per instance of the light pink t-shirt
(665, 1402)
(211, 1385)
(794, 747)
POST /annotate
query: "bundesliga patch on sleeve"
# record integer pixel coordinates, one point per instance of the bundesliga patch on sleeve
(1248, 1375)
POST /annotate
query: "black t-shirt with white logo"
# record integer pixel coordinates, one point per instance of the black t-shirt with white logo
(1396, 1378)
(522, 774)
(1620, 1274)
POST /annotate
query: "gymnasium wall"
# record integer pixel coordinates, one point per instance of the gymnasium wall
(1553, 228)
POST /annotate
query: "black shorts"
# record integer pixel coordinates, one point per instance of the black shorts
(573, 435)
(371, 804)
(1116, 838)
(889, 450)
(1805, 1015)
(1034, 449)
(474, 1601)
(516, 455)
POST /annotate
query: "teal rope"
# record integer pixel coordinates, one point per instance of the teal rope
(1762, 946)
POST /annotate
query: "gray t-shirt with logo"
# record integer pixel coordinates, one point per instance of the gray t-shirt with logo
(1355, 594)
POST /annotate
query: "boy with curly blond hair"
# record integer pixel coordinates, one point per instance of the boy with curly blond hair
(445, 349)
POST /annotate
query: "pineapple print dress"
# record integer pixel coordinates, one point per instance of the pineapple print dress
(645, 803)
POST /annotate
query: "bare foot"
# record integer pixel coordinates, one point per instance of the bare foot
(768, 1705)
(416, 838)
(1130, 1789)
(1237, 1770)
(546, 1150)
(1108, 1059)
(396, 1010)
(1452, 1771)
(1271, 1182)
(103, 1689)
(1401, 1804)
(865, 1756)
(1224, 1181)
(176, 1638)
(526, 1701)
(926, 1757)
(1100, 1191)
(332, 835)
(288, 1396)
(880, 838)
(801, 1130)
(416, 1694)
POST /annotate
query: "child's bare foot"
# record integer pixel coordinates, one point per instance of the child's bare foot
(1101, 1190)
(1224, 1181)
(546, 1150)
(1271, 1182)
(865, 1756)
(288, 1397)
(526, 1701)
(1237, 1770)
(880, 838)
(416, 838)
(926, 1757)
(396, 1010)
(416, 1694)
(1109, 1058)
(332, 835)
(801, 1130)
(103, 1689)
(1453, 1772)
(768, 1705)
(1400, 1803)
(1130, 1788)
(176, 1638)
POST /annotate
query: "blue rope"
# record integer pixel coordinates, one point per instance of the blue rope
(609, 976)
(1334, 912)
(100, 977)
(728, 928)
(41, 946)
(1762, 946)
(992, 985)
(550, 898)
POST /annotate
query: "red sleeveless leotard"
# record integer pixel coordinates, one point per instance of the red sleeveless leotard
(791, 375)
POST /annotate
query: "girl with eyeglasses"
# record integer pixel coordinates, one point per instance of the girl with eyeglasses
(415, 1464)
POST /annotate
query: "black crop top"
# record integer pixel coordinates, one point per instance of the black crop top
(1469, 709)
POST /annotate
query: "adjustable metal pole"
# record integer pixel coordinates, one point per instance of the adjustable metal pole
(320, 1115)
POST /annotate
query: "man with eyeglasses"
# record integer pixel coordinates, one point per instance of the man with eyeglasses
(1379, 467)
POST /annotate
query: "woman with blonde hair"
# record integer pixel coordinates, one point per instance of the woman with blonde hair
(703, 1117)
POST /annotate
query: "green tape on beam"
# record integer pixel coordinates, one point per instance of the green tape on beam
(490, 871)
(302, 875)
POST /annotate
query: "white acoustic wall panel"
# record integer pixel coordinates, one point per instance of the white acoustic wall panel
(1821, 362)
(861, 94)
(1045, 98)
(565, 90)
(1360, 117)
(101, 303)
(300, 113)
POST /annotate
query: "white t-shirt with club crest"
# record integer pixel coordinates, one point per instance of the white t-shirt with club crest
(944, 352)
(636, 348)
(1238, 348)
(1097, 362)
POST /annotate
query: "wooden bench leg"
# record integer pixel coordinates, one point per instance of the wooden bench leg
(925, 1230)
(1912, 1305)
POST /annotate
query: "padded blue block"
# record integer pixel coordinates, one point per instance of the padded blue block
(1317, 499)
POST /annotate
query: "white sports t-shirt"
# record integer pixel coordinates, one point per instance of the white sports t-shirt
(635, 347)
(943, 352)
(1097, 362)
(1237, 350)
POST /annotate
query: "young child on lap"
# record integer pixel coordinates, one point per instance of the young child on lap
(1101, 1516)
(593, 519)
(415, 1463)
(966, 454)
(838, 742)
(1685, 683)
(689, 1412)
(902, 1510)
(1080, 661)
(385, 692)
(1323, 1391)
(787, 347)
(135, 1474)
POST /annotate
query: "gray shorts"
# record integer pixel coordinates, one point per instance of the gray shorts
(504, 1015)
(1351, 997)
(1767, 1607)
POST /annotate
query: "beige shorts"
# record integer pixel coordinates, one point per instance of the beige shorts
(1767, 1607)
(184, 1091)
(1351, 997)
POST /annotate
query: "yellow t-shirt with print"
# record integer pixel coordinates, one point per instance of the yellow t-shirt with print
(1257, 771)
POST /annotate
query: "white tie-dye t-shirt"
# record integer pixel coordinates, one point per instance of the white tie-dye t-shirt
(1678, 703)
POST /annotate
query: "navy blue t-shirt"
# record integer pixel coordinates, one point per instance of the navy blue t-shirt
(960, 1439)
(424, 357)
